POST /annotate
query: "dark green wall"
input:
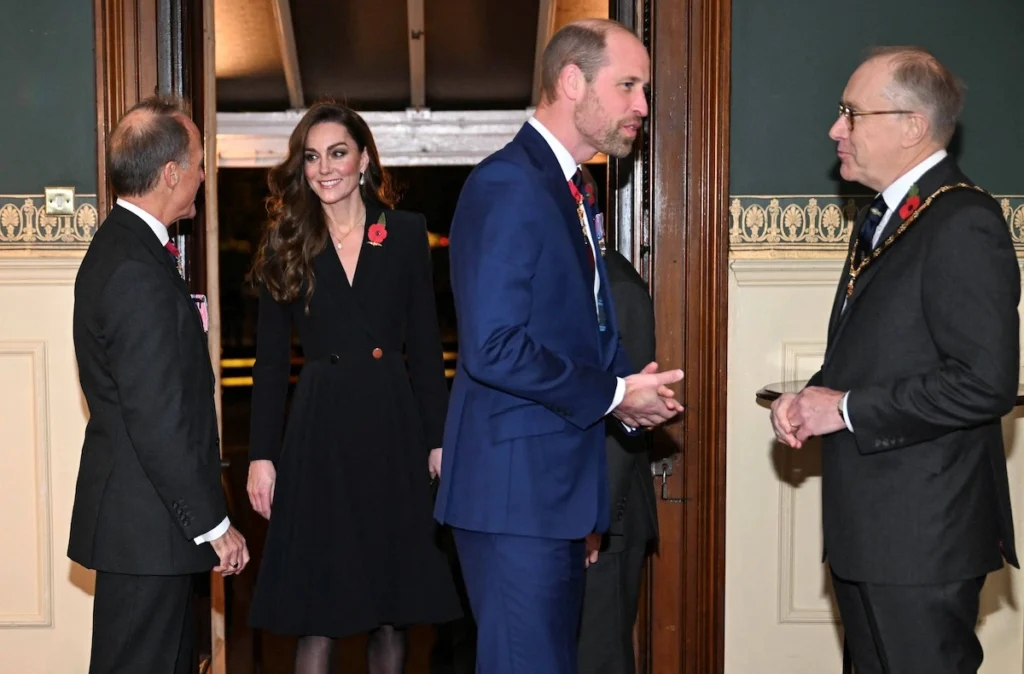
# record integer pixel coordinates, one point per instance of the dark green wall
(47, 80)
(791, 60)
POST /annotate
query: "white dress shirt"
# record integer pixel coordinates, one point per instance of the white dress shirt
(893, 195)
(160, 229)
(569, 168)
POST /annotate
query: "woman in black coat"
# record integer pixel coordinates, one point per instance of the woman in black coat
(350, 547)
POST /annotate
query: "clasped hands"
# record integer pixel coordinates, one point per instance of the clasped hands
(649, 402)
(799, 416)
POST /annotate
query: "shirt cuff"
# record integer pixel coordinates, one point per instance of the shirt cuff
(846, 412)
(214, 533)
(620, 393)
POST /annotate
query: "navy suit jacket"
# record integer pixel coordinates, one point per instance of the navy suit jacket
(524, 436)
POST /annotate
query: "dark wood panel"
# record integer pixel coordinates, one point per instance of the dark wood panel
(680, 219)
(126, 71)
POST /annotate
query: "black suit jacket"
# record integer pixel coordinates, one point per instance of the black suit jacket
(634, 514)
(149, 479)
(928, 348)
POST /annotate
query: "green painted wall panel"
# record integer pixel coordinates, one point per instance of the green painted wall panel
(791, 60)
(47, 88)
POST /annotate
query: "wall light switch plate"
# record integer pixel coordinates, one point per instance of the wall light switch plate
(60, 200)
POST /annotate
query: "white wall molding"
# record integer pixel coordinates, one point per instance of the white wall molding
(407, 138)
(798, 359)
(35, 351)
(787, 272)
(39, 270)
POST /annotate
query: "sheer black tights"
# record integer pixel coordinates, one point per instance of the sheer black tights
(385, 652)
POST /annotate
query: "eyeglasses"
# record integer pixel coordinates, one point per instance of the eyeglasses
(848, 113)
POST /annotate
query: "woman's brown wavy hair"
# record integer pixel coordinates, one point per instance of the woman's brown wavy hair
(297, 231)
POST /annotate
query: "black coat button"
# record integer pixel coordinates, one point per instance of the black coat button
(334, 358)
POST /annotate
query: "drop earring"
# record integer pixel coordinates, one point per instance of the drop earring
(362, 178)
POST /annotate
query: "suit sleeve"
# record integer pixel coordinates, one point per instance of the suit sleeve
(423, 344)
(971, 288)
(496, 244)
(270, 378)
(143, 338)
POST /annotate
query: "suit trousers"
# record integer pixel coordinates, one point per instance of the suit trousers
(143, 624)
(610, 598)
(910, 629)
(526, 594)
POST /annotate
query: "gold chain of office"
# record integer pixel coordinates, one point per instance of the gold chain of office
(857, 268)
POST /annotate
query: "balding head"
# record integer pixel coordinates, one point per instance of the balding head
(580, 43)
(919, 82)
(152, 134)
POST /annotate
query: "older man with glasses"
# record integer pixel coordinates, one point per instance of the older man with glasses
(921, 363)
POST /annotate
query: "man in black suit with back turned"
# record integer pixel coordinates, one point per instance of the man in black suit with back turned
(149, 507)
(921, 363)
(611, 590)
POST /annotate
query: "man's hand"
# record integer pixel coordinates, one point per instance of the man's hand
(434, 462)
(233, 553)
(262, 478)
(593, 546)
(815, 411)
(784, 431)
(649, 401)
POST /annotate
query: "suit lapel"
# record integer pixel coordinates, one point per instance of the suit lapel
(939, 175)
(371, 257)
(557, 186)
(840, 299)
(151, 243)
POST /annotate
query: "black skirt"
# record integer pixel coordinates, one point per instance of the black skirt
(352, 543)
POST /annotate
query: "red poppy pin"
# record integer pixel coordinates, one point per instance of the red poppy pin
(912, 203)
(588, 192)
(378, 231)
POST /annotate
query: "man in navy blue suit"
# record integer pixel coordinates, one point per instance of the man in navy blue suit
(524, 482)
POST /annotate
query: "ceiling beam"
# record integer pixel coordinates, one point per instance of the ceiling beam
(417, 55)
(406, 138)
(289, 54)
(545, 28)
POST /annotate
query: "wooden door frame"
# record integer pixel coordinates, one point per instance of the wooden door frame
(671, 219)
(144, 47)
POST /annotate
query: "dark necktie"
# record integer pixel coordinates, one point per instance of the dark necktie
(866, 235)
(576, 188)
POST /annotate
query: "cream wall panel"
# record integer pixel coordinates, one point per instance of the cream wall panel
(42, 422)
(25, 585)
(779, 612)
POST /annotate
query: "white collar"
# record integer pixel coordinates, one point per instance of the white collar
(565, 160)
(893, 194)
(159, 228)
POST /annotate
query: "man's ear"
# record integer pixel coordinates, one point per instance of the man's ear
(916, 129)
(171, 174)
(572, 82)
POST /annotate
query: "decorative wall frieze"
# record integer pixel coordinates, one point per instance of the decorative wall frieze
(25, 225)
(817, 226)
